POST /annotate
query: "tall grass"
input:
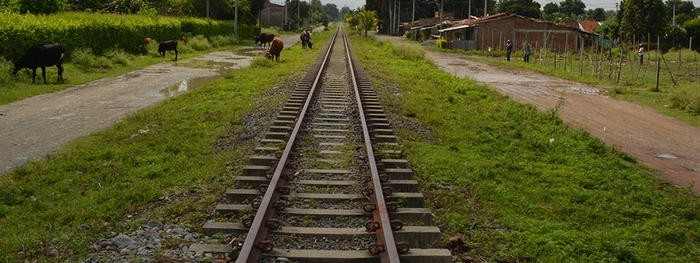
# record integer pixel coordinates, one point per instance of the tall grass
(517, 183)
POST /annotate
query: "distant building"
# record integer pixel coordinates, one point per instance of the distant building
(493, 31)
(273, 15)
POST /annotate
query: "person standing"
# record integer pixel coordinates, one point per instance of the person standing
(509, 48)
(527, 53)
(641, 54)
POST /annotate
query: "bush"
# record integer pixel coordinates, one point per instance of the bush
(6, 69)
(85, 60)
(218, 41)
(199, 43)
(118, 56)
(441, 43)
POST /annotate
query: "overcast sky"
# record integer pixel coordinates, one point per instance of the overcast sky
(590, 4)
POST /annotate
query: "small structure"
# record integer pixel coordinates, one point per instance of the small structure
(426, 28)
(273, 15)
(493, 31)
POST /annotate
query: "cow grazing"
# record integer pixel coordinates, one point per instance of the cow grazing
(276, 47)
(144, 44)
(305, 39)
(183, 38)
(168, 45)
(264, 38)
(42, 56)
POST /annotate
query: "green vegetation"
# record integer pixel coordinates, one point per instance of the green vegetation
(83, 65)
(517, 183)
(102, 32)
(113, 179)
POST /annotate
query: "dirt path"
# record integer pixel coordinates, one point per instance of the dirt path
(660, 142)
(34, 127)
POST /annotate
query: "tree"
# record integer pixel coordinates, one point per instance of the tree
(642, 17)
(550, 12)
(572, 8)
(332, 11)
(692, 27)
(685, 10)
(597, 14)
(528, 8)
(366, 20)
(344, 11)
(39, 7)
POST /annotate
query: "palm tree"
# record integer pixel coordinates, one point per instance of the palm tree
(367, 19)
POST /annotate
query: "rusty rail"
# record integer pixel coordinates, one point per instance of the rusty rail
(385, 246)
(255, 242)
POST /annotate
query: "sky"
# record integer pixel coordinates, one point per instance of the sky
(590, 4)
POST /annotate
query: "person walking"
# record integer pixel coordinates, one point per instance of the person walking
(509, 48)
(641, 54)
(527, 53)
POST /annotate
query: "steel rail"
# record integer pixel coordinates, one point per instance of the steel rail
(250, 252)
(384, 233)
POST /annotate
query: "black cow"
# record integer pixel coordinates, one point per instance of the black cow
(168, 45)
(264, 38)
(42, 55)
(305, 39)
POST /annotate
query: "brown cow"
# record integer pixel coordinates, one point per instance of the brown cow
(276, 47)
(145, 43)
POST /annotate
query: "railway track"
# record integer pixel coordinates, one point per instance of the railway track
(327, 183)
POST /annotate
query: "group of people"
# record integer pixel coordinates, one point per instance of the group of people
(509, 49)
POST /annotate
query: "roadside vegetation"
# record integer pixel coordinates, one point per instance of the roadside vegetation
(517, 184)
(170, 161)
(680, 100)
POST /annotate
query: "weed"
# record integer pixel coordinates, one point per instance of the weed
(198, 43)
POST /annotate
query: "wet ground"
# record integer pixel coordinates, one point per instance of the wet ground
(31, 128)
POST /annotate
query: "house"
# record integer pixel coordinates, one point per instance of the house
(273, 15)
(492, 32)
(428, 27)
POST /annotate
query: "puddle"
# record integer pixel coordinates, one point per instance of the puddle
(188, 84)
(210, 64)
(666, 156)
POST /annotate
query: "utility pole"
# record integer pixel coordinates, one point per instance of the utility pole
(469, 15)
(674, 13)
(398, 14)
(486, 7)
(235, 22)
(207, 8)
(413, 16)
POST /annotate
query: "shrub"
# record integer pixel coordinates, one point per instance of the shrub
(218, 41)
(5, 72)
(118, 56)
(198, 43)
(84, 59)
(409, 52)
(441, 43)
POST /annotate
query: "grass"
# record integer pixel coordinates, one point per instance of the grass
(637, 83)
(517, 183)
(83, 66)
(113, 180)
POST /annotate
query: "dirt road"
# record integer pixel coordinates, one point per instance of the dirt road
(660, 142)
(34, 127)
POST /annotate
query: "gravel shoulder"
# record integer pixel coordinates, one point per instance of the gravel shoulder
(657, 141)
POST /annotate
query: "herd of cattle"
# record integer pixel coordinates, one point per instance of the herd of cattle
(47, 55)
